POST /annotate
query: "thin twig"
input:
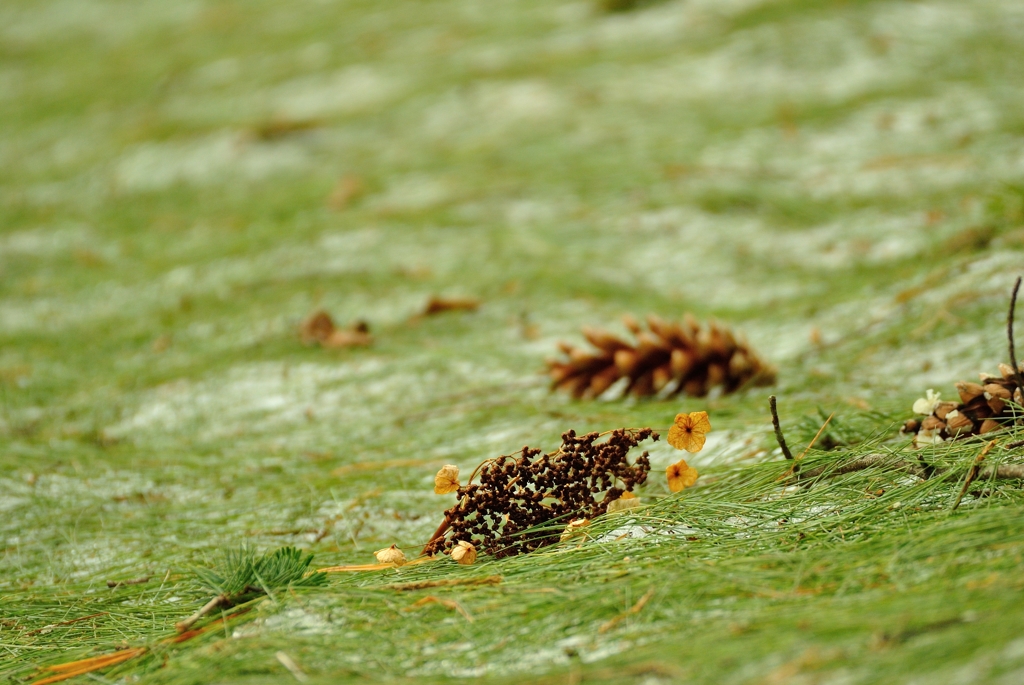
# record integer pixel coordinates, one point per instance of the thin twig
(779, 437)
(1013, 445)
(66, 623)
(1009, 331)
(1004, 472)
(445, 582)
(861, 464)
(635, 609)
(77, 668)
(973, 473)
(816, 436)
(217, 601)
(132, 581)
(448, 603)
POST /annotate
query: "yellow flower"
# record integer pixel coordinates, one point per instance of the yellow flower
(447, 479)
(681, 476)
(688, 431)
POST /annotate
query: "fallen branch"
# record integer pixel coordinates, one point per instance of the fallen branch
(1002, 472)
(863, 463)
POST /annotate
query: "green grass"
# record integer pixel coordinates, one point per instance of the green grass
(846, 172)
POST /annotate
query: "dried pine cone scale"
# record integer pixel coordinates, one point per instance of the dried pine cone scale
(673, 358)
(984, 407)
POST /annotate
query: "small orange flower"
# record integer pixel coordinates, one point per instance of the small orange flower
(688, 431)
(681, 476)
(447, 479)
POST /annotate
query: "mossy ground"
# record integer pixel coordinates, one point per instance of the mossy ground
(180, 183)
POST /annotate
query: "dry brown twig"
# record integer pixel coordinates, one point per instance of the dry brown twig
(779, 437)
(132, 581)
(439, 305)
(973, 472)
(448, 603)
(635, 609)
(444, 582)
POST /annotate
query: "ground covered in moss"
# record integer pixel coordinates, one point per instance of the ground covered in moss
(182, 183)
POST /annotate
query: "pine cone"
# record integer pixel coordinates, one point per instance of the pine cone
(670, 358)
(984, 407)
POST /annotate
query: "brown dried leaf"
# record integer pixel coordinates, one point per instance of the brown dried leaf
(689, 430)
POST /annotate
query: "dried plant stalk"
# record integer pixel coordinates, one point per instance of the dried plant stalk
(519, 493)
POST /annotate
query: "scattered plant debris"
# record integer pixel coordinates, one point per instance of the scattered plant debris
(614, 6)
(440, 305)
(319, 328)
(280, 128)
(633, 610)
(668, 359)
(131, 581)
(243, 576)
(444, 582)
(347, 190)
(83, 666)
(447, 603)
(510, 511)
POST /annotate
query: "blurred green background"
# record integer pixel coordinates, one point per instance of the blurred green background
(181, 183)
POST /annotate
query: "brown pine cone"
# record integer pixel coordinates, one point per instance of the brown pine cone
(670, 358)
(984, 407)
